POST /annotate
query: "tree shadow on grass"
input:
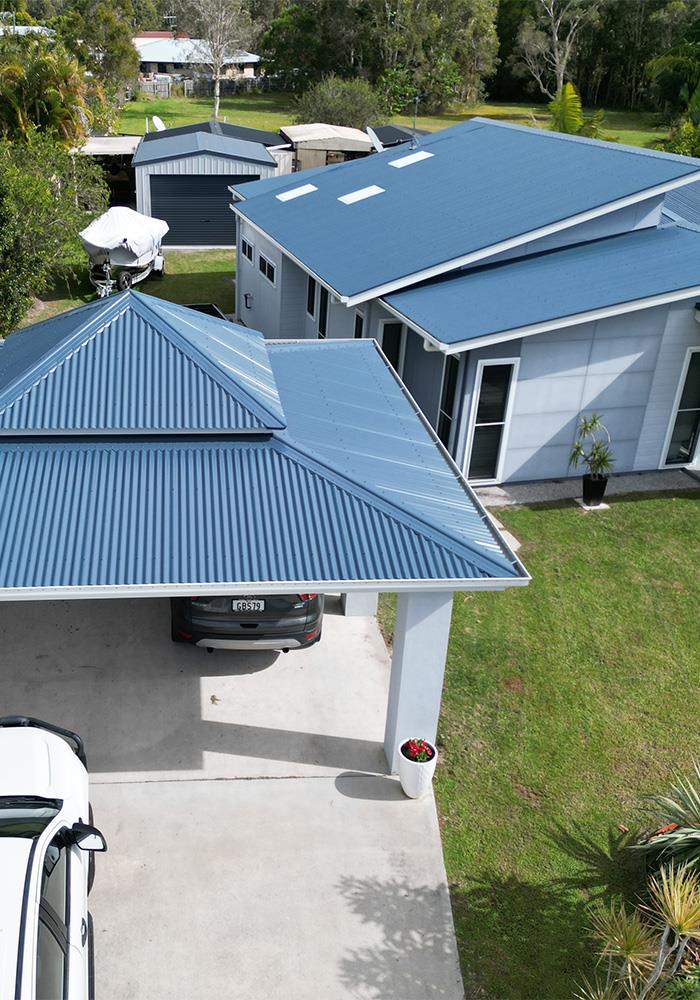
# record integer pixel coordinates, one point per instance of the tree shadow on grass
(609, 870)
(520, 940)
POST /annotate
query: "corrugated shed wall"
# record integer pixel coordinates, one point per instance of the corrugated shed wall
(205, 164)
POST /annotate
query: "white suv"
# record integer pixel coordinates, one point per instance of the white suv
(46, 863)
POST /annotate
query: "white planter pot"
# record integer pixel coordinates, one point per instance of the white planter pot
(416, 776)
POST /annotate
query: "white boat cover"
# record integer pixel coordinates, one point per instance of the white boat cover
(134, 237)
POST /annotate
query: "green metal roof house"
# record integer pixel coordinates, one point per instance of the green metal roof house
(515, 279)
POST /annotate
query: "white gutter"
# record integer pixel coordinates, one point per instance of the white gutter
(105, 592)
(592, 315)
(490, 250)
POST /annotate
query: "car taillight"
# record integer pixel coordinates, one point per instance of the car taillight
(310, 635)
(183, 635)
(306, 597)
(194, 599)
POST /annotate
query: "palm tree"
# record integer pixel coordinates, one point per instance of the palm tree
(41, 87)
(567, 115)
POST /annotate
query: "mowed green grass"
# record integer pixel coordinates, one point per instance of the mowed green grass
(564, 703)
(272, 110)
(191, 276)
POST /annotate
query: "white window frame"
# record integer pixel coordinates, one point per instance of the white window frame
(361, 314)
(244, 255)
(663, 464)
(311, 315)
(273, 280)
(455, 409)
(476, 392)
(402, 347)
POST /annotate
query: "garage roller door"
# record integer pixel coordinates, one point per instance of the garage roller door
(196, 207)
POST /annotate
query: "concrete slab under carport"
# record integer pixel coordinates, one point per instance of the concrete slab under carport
(257, 846)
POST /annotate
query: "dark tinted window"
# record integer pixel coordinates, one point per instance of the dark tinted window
(25, 816)
(447, 398)
(323, 313)
(311, 296)
(50, 965)
(391, 343)
(359, 326)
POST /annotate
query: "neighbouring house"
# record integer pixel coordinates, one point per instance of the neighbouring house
(515, 278)
(318, 144)
(168, 53)
(183, 175)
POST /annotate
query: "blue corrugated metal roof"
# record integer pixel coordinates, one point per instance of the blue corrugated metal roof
(346, 410)
(485, 183)
(127, 511)
(467, 305)
(684, 203)
(134, 362)
(219, 128)
(174, 147)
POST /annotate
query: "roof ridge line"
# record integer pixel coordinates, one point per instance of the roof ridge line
(224, 381)
(481, 559)
(586, 140)
(28, 379)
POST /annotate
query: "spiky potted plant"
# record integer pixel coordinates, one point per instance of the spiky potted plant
(417, 761)
(592, 449)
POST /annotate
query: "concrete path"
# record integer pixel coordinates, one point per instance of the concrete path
(257, 848)
(547, 490)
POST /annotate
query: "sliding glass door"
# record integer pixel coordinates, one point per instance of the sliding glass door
(489, 421)
(682, 439)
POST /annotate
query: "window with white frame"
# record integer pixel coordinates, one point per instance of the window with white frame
(311, 296)
(682, 437)
(247, 249)
(266, 268)
(393, 343)
(493, 393)
(448, 396)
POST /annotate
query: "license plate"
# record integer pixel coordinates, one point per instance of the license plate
(248, 605)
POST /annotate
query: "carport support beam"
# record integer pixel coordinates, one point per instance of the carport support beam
(359, 602)
(421, 636)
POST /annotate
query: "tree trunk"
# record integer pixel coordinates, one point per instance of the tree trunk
(217, 94)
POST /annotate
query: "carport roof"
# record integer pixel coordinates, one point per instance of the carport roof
(353, 492)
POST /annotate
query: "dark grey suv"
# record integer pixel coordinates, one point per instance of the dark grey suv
(275, 621)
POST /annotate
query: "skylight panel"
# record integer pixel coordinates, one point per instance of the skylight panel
(296, 192)
(360, 194)
(406, 161)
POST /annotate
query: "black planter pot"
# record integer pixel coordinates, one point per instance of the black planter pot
(593, 489)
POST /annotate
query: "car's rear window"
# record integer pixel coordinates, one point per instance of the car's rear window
(26, 816)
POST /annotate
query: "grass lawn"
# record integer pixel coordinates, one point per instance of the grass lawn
(272, 110)
(564, 703)
(190, 276)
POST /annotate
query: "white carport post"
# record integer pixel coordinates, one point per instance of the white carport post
(356, 603)
(421, 636)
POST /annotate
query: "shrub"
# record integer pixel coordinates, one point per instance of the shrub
(335, 101)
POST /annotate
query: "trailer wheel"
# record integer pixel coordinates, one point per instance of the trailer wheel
(124, 280)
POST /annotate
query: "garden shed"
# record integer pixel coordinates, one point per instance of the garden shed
(183, 176)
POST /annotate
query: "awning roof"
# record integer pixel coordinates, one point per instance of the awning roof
(519, 296)
(354, 492)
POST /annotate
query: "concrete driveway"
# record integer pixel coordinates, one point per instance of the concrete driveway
(257, 848)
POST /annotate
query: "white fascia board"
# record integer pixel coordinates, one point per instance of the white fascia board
(272, 587)
(516, 241)
(634, 305)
